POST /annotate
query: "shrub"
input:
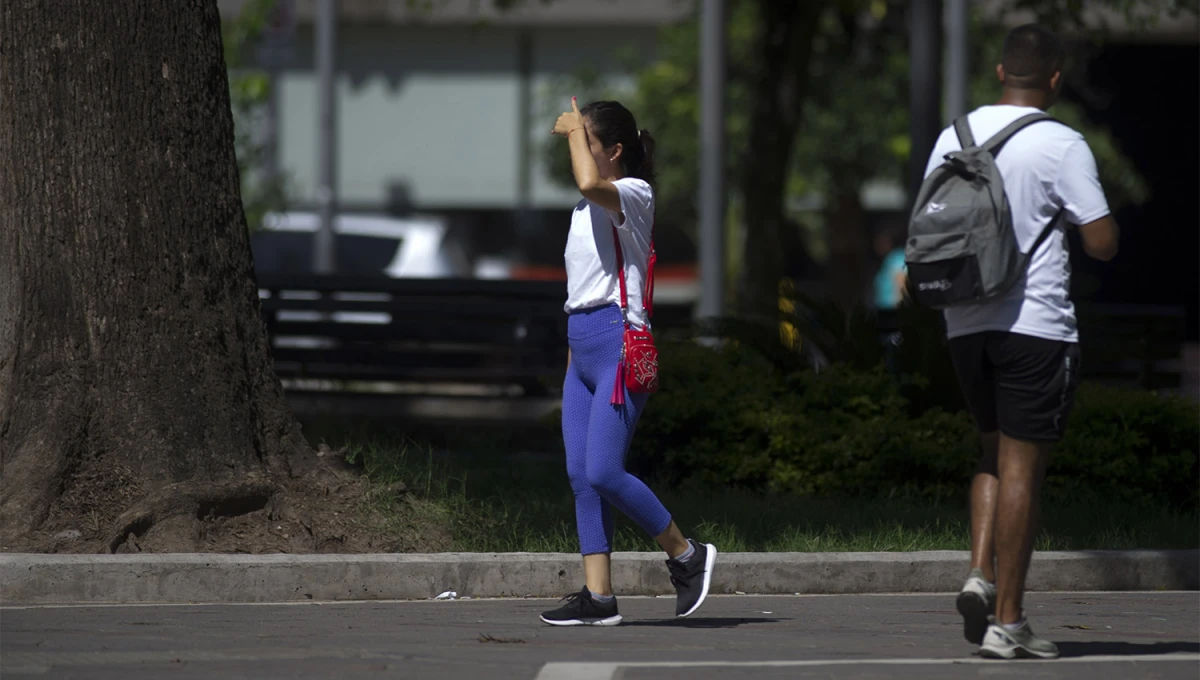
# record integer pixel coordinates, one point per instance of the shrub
(1129, 444)
(730, 417)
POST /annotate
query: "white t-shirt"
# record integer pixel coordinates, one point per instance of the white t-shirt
(1046, 167)
(592, 259)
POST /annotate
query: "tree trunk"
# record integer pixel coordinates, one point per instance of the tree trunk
(136, 383)
(777, 89)
(846, 274)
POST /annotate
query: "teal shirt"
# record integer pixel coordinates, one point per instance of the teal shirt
(887, 294)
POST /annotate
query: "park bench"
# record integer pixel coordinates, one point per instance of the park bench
(357, 331)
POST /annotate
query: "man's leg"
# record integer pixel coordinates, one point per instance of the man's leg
(1022, 467)
(983, 507)
(1035, 381)
(976, 601)
(976, 378)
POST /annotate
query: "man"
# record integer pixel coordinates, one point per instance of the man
(1017, 357)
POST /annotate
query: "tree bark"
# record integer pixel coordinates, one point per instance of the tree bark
(847, 272)
(778, 90)
(133, 358)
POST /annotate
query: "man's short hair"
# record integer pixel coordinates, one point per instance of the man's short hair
(1032, 54)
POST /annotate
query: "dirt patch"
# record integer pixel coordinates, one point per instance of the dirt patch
(331, 509)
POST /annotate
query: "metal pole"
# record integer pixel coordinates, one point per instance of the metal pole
(958, 66)
(271, 127)
(925, 87)
(712, 160)
(524, 127)
(324, 246)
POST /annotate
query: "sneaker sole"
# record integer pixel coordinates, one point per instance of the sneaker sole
(1017, 652)
(709, 560)
(610, 621)
(974, 610)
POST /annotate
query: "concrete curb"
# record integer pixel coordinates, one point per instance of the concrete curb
(185, 578)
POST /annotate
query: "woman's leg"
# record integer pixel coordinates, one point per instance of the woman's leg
(593, 516)
(672, 541)
(609, 434)
(597, 574)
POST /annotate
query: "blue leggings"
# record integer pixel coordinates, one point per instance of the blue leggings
(597, 434)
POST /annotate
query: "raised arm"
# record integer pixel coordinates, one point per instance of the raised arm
(587, 175)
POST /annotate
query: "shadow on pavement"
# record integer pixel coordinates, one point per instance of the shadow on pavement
(1068, 649)
(729, 622)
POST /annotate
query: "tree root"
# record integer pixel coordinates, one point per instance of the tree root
(197, 499)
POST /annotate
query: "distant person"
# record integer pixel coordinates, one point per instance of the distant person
(890, 279)
(1017, 355)
(613, 164)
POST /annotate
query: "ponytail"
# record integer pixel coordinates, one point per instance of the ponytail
(646, 169)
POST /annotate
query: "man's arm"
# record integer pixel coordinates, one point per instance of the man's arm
(1100, 238)
(1078, 187)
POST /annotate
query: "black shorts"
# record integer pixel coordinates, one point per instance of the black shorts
(1018, 384)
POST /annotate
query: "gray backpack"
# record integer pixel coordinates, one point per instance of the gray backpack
(961, 247)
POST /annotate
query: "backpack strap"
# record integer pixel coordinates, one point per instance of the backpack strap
(1046, 232)
(998, 140)
(965, 139)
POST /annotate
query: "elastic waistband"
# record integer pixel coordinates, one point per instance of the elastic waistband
(598, 309)
(586, 323)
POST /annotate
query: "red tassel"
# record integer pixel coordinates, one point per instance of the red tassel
(618, 393)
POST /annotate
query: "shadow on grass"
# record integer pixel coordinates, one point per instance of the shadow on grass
(1104, 648)
(714, 622)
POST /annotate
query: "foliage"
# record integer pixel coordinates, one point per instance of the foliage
(1130, 445)
(732, 417)
(728, 417)
(859, 98)
(505, 502)
(250, 90)
(854, 127)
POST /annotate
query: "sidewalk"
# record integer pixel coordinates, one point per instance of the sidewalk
(189, 578)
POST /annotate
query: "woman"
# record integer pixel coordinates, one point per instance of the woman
(613, 165)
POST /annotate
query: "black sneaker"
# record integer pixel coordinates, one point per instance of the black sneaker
(692, 578)
(581, 609)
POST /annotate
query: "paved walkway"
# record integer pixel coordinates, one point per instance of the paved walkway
(1102, 636)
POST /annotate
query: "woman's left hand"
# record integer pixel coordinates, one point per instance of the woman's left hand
(569, 121)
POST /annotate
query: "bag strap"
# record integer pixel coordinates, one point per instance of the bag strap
(1042, 236)
(998, 140)
(963, 128)
(648, 295)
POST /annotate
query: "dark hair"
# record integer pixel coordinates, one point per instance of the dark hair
(613, 124)
(1032, 53)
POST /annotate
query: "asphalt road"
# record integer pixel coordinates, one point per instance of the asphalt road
(1101, 635)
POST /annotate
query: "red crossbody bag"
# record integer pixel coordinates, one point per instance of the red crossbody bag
(638, 368)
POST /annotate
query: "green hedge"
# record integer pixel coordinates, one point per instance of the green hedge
(731, 417)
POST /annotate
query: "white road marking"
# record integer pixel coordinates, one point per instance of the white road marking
(608, 671)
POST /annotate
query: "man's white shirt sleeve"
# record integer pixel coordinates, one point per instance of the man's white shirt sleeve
(1078, 185)
(943, 146)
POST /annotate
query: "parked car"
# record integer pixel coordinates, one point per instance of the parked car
(411, 247)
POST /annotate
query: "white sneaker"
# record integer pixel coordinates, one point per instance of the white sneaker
(1002, 643)
(976, 602)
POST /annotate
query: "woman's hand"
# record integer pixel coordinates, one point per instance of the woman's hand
(569, 121)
